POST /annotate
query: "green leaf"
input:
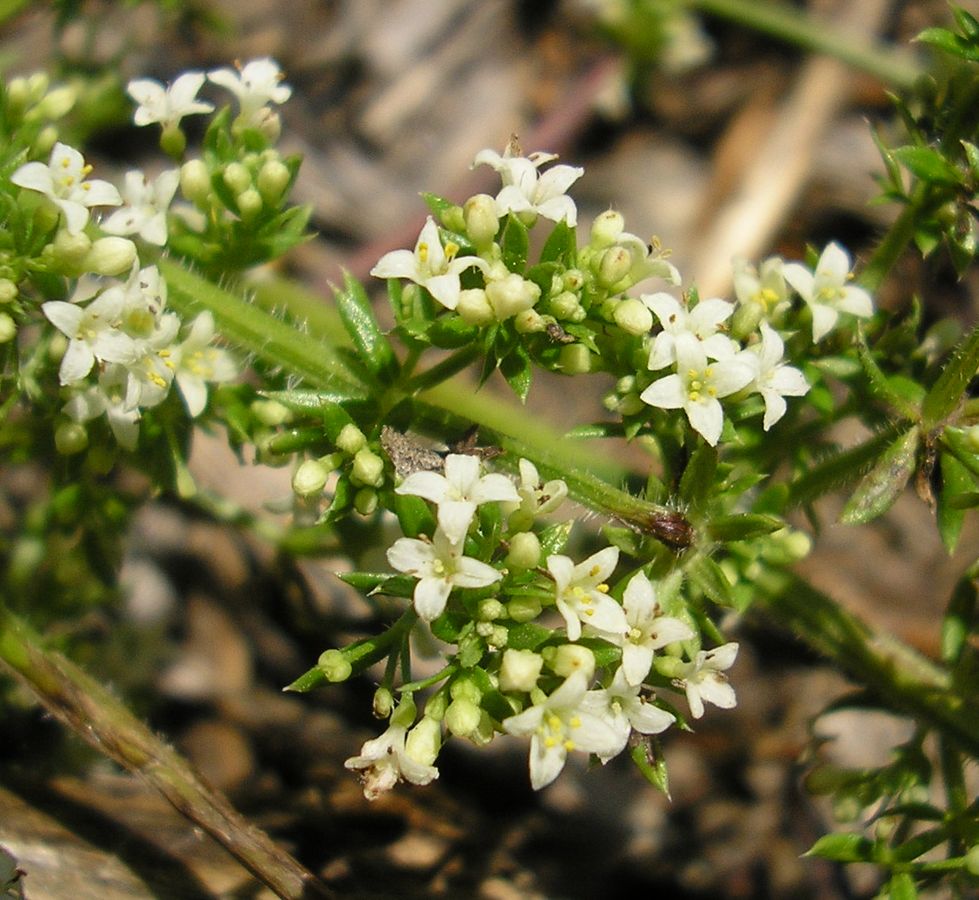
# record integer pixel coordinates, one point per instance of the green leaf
(946, 393)
(414, 515)
(892, 394)
(957, 442)
(554, 538)
(901, 887)
(698, 478)
(843, 848)
(710, 578)
(518, 371)
(882, 485)
(948, 42)
(492, 700)
(928, 164)
(966, 21)
(838, 469)
(438, 205)
(312, 403)
(743, 526)
(561, 246)
(450, 332)
(648, 757)
(527, 636)
(960, 619)
(957, 481)
(371, 343)
(515, 244)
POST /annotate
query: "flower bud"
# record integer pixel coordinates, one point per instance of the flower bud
(336, 667)
(237, 177)
(44, 143)
(462, 717)
(465, 688)
(972, 438)
(18, 95)
(173, 141)
(272, 181)
(520, 670)
(481, 219)
(523, 609)
(570, 658)
(310, 478)
(350, 439)
(365, 501)
(746, 319)
(529, 322)
(383, 703)
(575, 359)
(8, 328)
(268, 123)
(249, 205)
(110, 256)
(70, 438)
(615, 264)
(271, 412)
(668, 666)
(195, 182)
(8, 291)
(606, 228)
(574, 280)
(490, 610)
(633, 316)
(511, 295)
(57, 103)
(368, 469)
(524, 551)
(474, 308)
(565, 305)
(972, 860)
(424, 741)
(69, 250)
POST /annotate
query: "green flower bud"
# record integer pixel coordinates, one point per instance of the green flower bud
(335, 666)
(565, 305)
(68, 251)
(574, 280)
(520, 670)
(972, 438)
(424, 741)
(511, 295)
(70, 438)
(615, 264)
(195, 182)
(350, 439)
(570, 658)
(474, 308)
(237, 177)
(271, 412)
(8, 328)
(574, 359)
(435, 706)
(523, 609)
(481, 220)
(365, 501)
(465, 688)
(606, 228)
(18, 95)
(310, 478)
(173, 141)
(272, 181)
(633, 316)
(668, 666)
(490, 610)
(110, 256)
(383, 703)
(746, 319)
(250, 205)
(529, 322)
(462, 717)
(368, 469)
(57, 103)
(972, 860)
(630, 405)
(268, 124)
(8, 291)
(44, 143)
(524, 551)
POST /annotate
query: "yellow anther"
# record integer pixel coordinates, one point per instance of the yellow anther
(553, 722)
(550, 742)
(423, 252)
(594, 570)
(589, 612)
(694, 396)
(451, 249)
(575, 722)
(602, 588)
(569, 745)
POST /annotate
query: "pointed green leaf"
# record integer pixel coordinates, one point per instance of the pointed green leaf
(944, 40)
(438, 205)
(414, 515)
(697, 481)
(372, 345)
(946, 393)
(710, 578)
(561, 246)
(957, 482)
(882, 485)
(515, 244)
(843, 848)
(648, 757)
(881, 384)
(957, 441)
(960, 619)
(743, 527)
(518, 372)
(450, 332)
(901, 887)
(928, 164)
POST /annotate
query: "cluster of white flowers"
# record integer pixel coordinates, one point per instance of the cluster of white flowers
(584, 712)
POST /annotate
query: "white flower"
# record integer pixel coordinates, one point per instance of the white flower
(430, 265)
(773, 380)
(145, 206)
(526, 190)
(63, 181)
(93, 334)
(703, 322)
(439, 567)
(458, 492)
(536, 498)
(647, 261)
(704, 681)
(384, 761)
(826, 290)
(255, 84)
(764, 288)
(559, 725)
(697, 387)
(582, 594)
(167, 105)
(620, 706)
(196, 363)
(108, 397)
(647, 630)
(151, 369)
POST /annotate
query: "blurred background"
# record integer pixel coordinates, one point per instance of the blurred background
(715, 139)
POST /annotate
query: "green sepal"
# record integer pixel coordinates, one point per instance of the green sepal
(414, 515)
(515, 244)
(561, 246)
(957, 482)
(697, 480)
(881, 486)
(647, 755)
(946, 393)
(743, 526)
(358, 318)
(843, 848)
(708, 576)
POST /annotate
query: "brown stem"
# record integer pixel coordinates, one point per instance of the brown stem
(93, 713)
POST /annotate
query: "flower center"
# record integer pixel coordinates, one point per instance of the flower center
(699, 385)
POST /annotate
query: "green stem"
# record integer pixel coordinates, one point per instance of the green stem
(443, 370)
(900, 234)
(98, 717)
(794, 27)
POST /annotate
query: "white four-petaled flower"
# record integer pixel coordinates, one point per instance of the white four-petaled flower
(430, 265)
(167, 105)
(255, 85)
(704, 680)
(526, 190)
(703, 322)
(384, 761)
(196, 362)
(93, 334)
(560, 725)
(63, 181)
(698, 385)
(581, 592)
(826, 290)
(145, 206)
(772, 378)
(439, 567)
